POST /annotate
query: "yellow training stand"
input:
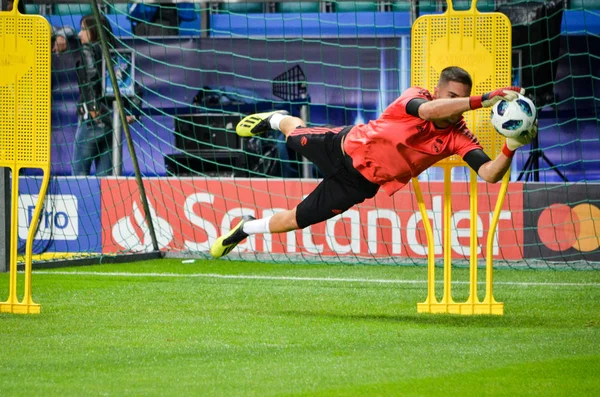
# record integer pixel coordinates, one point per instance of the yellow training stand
(24, 127)
(480, 43)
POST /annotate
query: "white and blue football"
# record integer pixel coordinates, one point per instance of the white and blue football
(515, 118)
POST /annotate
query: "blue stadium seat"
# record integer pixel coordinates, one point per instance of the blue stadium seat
(72, 9)
(430, 5)
(462, 4)
(424, 6)
(486, 6)
(242, 8)
(356, 6)
(401, 6)
(585, 4)
(32, 9)
(118, 8)
(300, 6)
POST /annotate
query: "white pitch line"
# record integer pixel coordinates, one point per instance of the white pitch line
(284, 278)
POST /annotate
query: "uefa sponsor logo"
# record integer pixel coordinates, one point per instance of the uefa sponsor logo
(132, 232)
(562, 222)
(59, 218)
(561, 227)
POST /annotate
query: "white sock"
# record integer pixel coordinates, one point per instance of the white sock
(276, 119)
(257, 226)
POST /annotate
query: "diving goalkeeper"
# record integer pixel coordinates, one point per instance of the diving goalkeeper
(416, 131)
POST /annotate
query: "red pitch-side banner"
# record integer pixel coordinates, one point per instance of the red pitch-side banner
(189, 214)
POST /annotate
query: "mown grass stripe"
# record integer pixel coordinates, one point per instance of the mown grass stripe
(316, 279)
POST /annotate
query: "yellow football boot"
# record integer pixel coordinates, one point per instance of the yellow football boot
(256, 124)
(229, 241)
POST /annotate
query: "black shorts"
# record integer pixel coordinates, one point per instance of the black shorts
(342, 187)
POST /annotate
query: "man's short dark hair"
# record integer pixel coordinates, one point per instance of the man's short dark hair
(456, 74)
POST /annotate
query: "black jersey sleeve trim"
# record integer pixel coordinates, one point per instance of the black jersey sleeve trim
(412, 107)
(476, 158)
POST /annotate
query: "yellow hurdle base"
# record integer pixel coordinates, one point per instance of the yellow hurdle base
(496, 308)
(20, 308)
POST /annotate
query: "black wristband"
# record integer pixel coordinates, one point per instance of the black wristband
(412, 107)
(476, 158)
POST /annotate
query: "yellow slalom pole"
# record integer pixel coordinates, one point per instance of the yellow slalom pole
(12, 292)
(483, 44)
(431, 299)
(29, 305)
(473, 299)
(26, 38)
(494, 307)
(447, 297)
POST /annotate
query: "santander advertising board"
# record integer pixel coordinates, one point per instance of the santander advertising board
(190, 213)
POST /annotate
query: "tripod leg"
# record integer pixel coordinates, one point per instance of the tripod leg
(554, 168)
(526, 167)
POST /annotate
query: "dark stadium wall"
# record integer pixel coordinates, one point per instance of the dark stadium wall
(356, 83)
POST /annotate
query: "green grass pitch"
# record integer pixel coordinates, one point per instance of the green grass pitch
(221, 328)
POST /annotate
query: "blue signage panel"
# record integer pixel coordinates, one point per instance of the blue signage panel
(70, 221)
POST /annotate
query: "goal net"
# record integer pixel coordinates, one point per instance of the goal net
(178, 176)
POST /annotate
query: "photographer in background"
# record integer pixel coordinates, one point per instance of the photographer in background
(93, 139)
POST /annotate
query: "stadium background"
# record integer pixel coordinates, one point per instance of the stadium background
(356, 60)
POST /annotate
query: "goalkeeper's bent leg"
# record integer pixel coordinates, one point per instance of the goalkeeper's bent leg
(284, 221)
(281, 222)
(259, 123)
(288, 124)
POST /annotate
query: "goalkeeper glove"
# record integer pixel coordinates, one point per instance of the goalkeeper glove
(491, 98)
(512, 144)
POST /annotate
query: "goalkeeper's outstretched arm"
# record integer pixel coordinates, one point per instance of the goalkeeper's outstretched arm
(442, 108)
(493, 170)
